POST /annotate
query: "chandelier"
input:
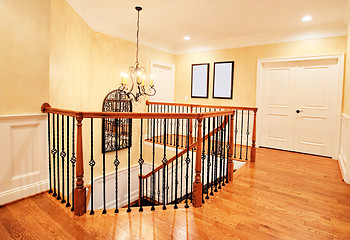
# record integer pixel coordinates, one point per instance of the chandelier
(137, 74)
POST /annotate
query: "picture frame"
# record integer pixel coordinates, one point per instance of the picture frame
(223, 80)
(200, 80)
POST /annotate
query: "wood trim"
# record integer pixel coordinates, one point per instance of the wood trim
(46, 108)
(197, 192)
(202, 105)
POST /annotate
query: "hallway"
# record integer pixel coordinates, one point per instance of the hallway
(282, 196)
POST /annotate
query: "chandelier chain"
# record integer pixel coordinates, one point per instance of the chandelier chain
(137, 36)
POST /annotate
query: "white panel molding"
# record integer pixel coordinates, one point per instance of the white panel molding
(134, 184)
(122, 187)
(23, 145)
(344, 151)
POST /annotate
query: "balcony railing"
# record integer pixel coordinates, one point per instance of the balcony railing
(206, 140)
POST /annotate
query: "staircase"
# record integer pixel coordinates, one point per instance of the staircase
(177, 153)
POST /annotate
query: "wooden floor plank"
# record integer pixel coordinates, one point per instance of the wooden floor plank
(282, 196)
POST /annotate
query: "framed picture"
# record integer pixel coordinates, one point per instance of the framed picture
(200, 80)
(223, 80)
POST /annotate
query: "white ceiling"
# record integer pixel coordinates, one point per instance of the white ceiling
(213, 24)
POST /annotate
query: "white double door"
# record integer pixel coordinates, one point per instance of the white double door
(299, 106)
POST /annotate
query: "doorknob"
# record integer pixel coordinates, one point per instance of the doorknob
(299, 111)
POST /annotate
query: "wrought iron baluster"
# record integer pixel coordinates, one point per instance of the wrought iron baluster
(92, 164)
(228, 146)
(104, 211)
(236, 132)
(246, 153)
(192, 168)
(157, 127)
(158, 187)
(213, 159)
(168, 127)
(164, 161)
(116, 161)
(54, 152)
(171, 127)
(188, 160)
(203, 159)
(223, 153)
(153, 159)
(160, 125)
(63, 155)
(174, 127)
(182, 132)
(129, 166)
(208, 161)
(220, 151)
(73, 160)
(172, 181)
(216, 155)
(148, 110)
(181, 176)
(49, 149)
(240, 151)
(58, 160)
(176, 160)
(146, 188)
(141, 161)
(68, 183)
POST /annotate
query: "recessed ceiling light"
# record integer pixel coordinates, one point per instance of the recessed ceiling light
(187, 38)
(307, 18)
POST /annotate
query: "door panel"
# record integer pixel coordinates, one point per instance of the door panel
(277, 108)
(315, 97)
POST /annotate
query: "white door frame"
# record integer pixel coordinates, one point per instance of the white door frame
(259, 89)
(171, 66)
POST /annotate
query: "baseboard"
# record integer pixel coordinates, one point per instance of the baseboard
(342, 166)
(24, 191)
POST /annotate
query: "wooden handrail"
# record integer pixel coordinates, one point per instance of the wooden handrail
(254, 109)
(46, 108)
(185, 150)
(80, 189)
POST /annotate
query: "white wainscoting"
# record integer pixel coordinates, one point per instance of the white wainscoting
(134, 184)
(122, 187)
(344, 151)
(23, 148)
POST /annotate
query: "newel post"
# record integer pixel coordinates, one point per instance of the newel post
(80, 190)
(253, 151)
(230, 154)
(197, 184)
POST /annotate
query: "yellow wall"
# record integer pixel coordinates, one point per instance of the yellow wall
(24, 55)
(346, 94)
(245, 69)
(84, 67)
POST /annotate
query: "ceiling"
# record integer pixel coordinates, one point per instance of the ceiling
(213, 24)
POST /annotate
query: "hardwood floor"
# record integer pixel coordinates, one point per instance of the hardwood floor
(281, 196)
